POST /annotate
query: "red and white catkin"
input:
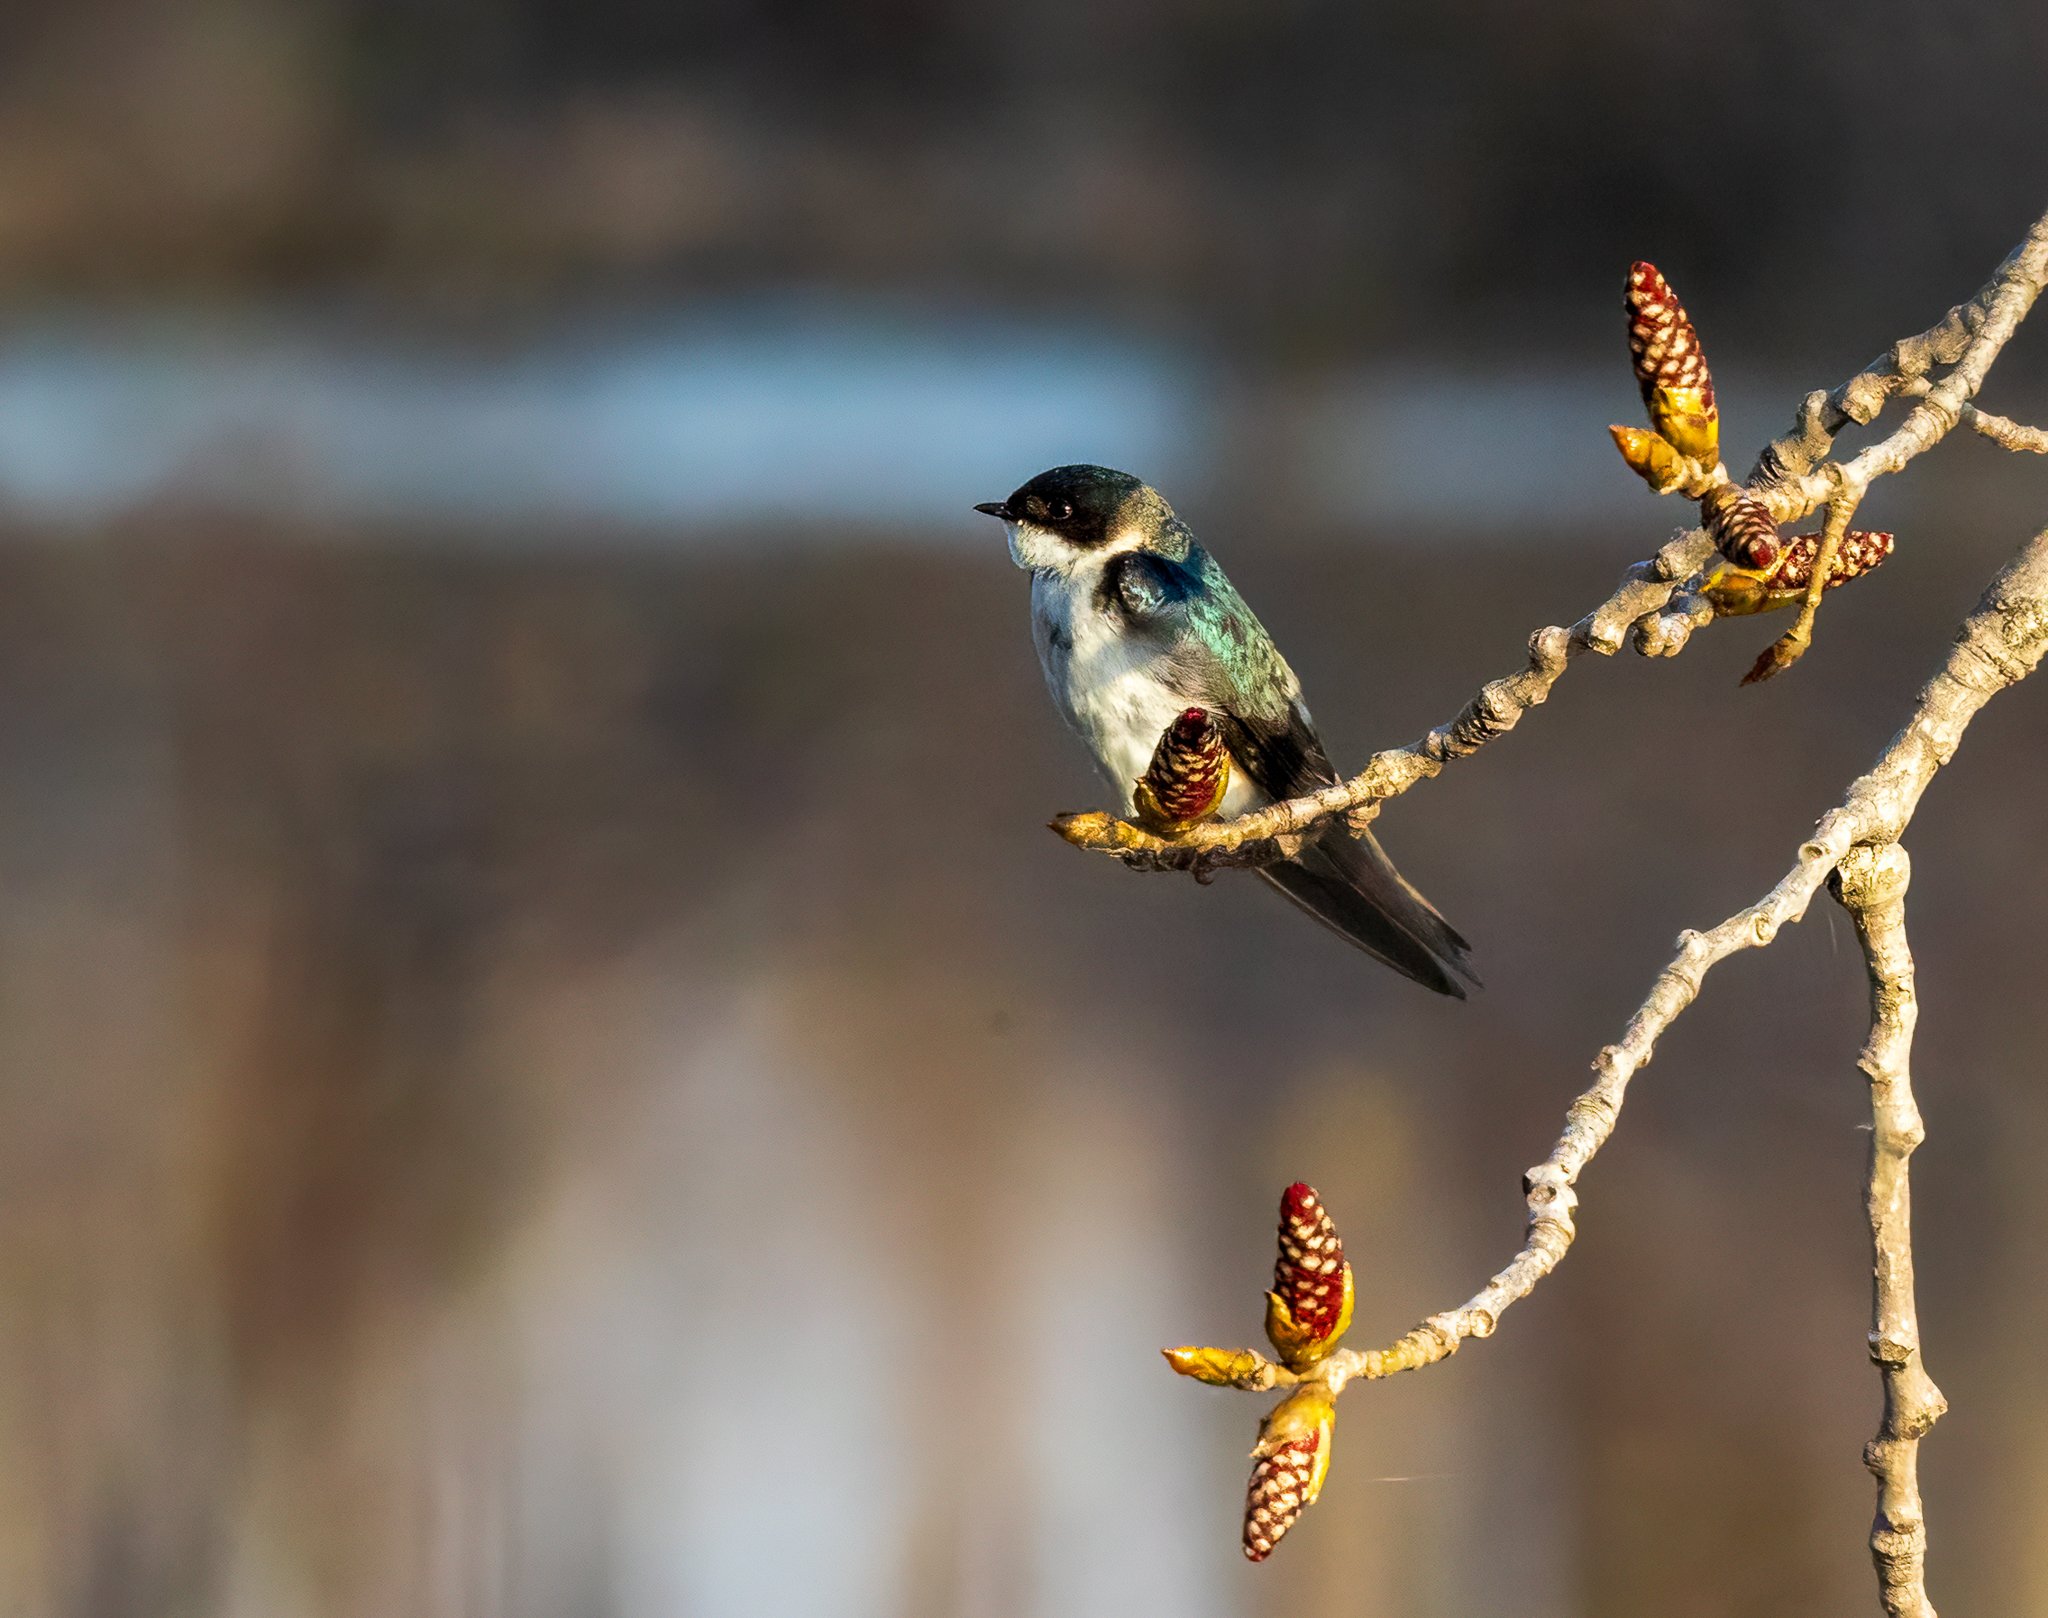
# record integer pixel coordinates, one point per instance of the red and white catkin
(1860, 551)
(1661, 337)
(1288, 1466)
(1280, 1491)
(1671, 368)
(1741, 528)
(1188, 774)
(1309, 1275)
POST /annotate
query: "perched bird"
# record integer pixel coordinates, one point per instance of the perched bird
(1135, 624)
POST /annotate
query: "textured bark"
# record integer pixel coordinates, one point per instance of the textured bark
(1871, 885)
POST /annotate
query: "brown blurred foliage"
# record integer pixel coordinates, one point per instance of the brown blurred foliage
(382, 1181)
(1305, 178)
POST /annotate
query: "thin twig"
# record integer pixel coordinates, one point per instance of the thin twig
(1862, 398)
(2001, 430)
(1990, 319)
(2005, 432)
(1789, 647)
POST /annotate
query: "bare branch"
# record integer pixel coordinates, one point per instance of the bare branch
(1789, 460)
(1871, 884)
(1998, 645)
(1990, 319)
(1792, 477)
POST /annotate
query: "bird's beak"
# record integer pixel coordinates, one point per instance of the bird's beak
(995, 508)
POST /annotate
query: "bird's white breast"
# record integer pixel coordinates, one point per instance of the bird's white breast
(1116, 690)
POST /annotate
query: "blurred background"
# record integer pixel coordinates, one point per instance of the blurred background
(550, 1067)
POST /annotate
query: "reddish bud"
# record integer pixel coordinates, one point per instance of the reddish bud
(1309, 1271)
(1859, 552)
(1290, 1463)
(1278, 1494)
(1309, 1308)
(1741, 527)
(1189, 772)
(1671, 368)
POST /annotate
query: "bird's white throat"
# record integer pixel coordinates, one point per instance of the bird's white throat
(1040, 550)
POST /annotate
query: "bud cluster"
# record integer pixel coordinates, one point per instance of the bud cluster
(1310, 1304)
(1759, 569)
(1307, 1311)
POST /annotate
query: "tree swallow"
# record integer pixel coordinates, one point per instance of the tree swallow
(1135, 623)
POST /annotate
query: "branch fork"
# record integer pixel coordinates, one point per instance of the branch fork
(1855, 851)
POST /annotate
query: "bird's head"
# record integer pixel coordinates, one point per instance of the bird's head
(1062, 517)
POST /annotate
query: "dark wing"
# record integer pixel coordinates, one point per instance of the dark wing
(1348, 883)
(1223, 659)
(1345, 882)
(1280, 751)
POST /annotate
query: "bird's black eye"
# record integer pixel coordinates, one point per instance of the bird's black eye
(1040, 509)
(1060, 512)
